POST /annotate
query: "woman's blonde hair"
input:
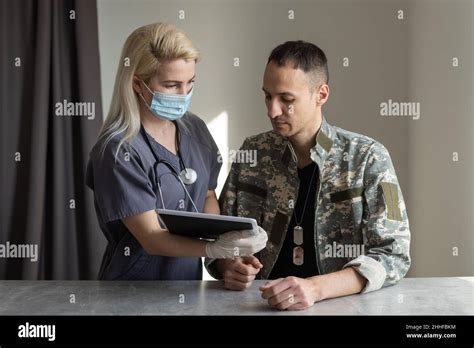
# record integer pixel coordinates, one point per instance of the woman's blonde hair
(141, 55)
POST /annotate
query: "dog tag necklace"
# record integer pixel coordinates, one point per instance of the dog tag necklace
(298, 251)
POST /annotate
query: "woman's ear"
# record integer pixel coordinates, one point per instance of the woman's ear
(136, 84)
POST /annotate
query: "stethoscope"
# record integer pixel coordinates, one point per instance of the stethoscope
(187, 176)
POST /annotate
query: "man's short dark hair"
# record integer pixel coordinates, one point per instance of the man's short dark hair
(305, 56)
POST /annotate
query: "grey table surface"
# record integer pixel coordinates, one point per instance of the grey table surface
(411, 296)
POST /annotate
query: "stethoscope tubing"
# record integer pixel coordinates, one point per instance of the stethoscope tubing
(172, 169)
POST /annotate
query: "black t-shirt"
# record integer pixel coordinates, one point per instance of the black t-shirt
(284, 265)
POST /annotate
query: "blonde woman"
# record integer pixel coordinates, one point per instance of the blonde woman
(153, 153)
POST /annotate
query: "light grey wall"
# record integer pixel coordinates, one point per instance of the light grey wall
(389, 58)
(442, 191)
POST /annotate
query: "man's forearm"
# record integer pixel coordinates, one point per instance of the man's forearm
(337, 284)
(219, 266)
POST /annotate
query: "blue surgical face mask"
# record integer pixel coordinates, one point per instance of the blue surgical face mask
(168, 106)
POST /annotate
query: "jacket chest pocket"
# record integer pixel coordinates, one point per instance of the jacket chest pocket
(251, 198)
(348, 209)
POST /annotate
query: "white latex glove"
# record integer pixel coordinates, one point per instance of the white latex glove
(237, 244)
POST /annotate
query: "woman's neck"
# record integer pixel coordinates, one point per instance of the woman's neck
(163, 131)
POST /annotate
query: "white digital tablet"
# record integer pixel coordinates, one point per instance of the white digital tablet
(201, 225)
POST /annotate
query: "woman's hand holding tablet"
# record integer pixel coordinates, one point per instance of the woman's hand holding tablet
(237, 244)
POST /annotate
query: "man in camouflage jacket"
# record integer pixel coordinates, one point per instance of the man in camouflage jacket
(358, 200)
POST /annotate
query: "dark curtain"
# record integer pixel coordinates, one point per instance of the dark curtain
(49, 54)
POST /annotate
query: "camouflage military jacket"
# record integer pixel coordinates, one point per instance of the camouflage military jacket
(360, 216)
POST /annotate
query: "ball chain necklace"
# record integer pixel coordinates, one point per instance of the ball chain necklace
(298, 251)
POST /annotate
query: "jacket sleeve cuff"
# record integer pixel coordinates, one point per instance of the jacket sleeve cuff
(211, 267)
(371, 270)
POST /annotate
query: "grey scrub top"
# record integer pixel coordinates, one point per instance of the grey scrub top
(124, 185)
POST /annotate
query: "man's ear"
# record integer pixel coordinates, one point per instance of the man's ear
(322, 94)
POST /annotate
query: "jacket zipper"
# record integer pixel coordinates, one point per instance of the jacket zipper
(293, 155)
(316, 243)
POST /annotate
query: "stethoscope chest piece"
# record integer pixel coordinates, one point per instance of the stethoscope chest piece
(188, 176)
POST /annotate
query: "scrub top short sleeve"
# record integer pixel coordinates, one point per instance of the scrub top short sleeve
(215, 163)
(121, 185)
(203, 139)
